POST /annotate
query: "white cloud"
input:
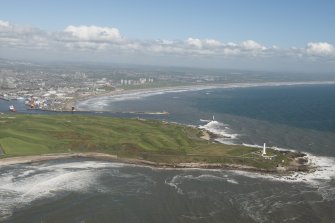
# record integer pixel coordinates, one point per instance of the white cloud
(231, 44)
(4, 24)
(194, 42)
(252, 45)
(231, 51)
(12, 35)
(320, 49)
(206, 43)
(212, 43)
(94, 33)
(109, 41)
(166, 42)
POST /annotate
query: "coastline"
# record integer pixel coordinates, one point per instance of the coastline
(150, 91)
(114, 158)
(206, 136)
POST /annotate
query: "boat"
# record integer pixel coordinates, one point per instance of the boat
(11, 108)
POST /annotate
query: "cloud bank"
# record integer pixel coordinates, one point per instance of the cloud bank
(320, 49)
(108, 41)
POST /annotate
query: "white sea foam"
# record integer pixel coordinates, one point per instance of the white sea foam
(27, 184)
(174, 182)
(178, 180)
(324, 166)
(82, 165)
(99, 103)
(232, 181)
(222, 130)
(323, 174)
(210, 177)
(203, 177)
(26, 173)
(324, 169)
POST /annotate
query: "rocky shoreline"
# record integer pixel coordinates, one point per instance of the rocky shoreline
(294, 167)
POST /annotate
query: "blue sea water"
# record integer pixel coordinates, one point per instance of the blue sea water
(82, 190)
(308, 107)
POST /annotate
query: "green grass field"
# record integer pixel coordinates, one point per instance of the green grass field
(142, 139)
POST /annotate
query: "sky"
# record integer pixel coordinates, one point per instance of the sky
(296, 35)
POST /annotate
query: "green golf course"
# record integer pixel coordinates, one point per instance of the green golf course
(151, 140)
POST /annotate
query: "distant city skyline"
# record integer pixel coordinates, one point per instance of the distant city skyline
(263, 35)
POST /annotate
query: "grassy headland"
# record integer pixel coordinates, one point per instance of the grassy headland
(149, 140)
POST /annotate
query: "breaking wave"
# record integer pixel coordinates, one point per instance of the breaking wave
(25, 184)
(222, 130)
(99, 103)
(324, 167)
(322, 175)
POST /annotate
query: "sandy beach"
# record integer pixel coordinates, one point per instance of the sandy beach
(148, 91)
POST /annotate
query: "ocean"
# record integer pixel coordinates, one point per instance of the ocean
(297, 117)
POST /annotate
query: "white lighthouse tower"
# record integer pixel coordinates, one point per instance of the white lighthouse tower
(264, 150)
